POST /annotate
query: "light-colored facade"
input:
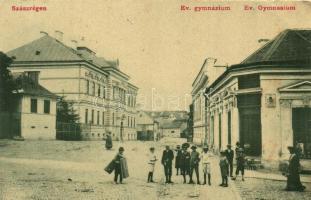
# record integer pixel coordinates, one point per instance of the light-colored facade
(39, 124)
(207, 74)
(264, 102)
(103, 97)
(35, 109)
(147, 127)
(173, 129)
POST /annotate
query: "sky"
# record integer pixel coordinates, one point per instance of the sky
(159, 46)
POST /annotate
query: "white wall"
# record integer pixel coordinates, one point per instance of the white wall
(38, 125)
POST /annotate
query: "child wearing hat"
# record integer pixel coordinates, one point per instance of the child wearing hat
(240, 160)
(194, 164)
(205, 158)
(185, 161)
(224, 168)
(151, 163)
(117, 161)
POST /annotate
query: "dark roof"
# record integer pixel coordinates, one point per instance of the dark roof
(290, 49)
(289, 45)
(172, 124)
(25, 85)
(45, 48)
(48, 48)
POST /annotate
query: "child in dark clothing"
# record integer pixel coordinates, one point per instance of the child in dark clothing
(117, 161)
(240, 161)
(224, 169)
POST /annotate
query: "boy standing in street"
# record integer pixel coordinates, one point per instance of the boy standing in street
(185, 162)
(177, 159)
(205, 158)
(167, 159)
(230, 155)
(118, 169)
(194, 164)
(151, 162)
(240, 160)
(224, 169)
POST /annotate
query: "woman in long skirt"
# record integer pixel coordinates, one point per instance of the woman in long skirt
(293, 177)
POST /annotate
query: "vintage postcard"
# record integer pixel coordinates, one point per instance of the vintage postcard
(155, 99)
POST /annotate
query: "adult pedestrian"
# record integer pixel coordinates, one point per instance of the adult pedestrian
(194, 164)
(167, 160)
(230, 155)
(185, 161)
(293, 177)
(108, 144)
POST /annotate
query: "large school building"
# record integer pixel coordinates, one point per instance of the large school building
(101, 93)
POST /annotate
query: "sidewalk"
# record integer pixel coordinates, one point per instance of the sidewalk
(273, 176)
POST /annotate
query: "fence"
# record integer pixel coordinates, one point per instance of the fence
(68, 131)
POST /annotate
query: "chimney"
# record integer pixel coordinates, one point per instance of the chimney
(59, 35)
(263, 40)
(43, 33)
(74, 44)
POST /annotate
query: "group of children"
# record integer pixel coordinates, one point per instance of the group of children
(188, 162)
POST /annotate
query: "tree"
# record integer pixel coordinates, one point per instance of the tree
(65, 112)
(68, 127)
(7, 84)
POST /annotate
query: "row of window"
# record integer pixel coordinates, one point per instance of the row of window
(129, 136)
(131, 121)
(92, 119)
(34, 106)
(99, 90)
(92, 89)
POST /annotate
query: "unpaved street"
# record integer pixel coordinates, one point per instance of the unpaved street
(74, 170)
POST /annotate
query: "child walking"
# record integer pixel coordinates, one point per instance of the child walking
(205, 157)
(151, 162)
(224, 169)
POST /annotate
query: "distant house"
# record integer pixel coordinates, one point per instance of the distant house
(147, 127)
(35, 114)
(173, 128)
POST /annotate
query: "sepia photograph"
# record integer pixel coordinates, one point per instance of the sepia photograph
(155, 99)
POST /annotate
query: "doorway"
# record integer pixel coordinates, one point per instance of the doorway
(301, 122)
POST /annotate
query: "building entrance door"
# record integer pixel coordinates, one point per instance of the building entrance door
(250, 130)
(302, 130)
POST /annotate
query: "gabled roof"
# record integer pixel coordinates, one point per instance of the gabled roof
(301, 86)
(289, 45)
(25, 85)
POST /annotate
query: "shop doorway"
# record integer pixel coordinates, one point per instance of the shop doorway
(301, 122)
